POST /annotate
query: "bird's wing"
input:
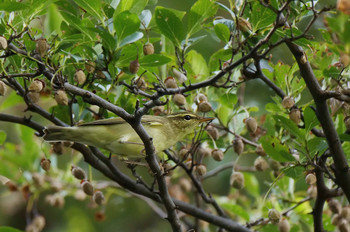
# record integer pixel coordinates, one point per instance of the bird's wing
(147, 119)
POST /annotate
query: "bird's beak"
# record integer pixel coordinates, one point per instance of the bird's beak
(206, 119)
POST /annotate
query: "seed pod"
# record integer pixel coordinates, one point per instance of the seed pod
(140, 83)
(334, 205)
(201, 170)
(31, 228)
(3, 43)
(134, 66)
(57, 148)
(3, 88)
(336, 219)
(251, 125)
(55, 200)
(79, 77)
(39, 222)
(295, 115)
(100, 74)
(237, 180)
(179, 99)
(87, 187)
(345, 212)
(148, 49)
(56, 185)
(78, 173)
(200, 98)
(274, 216)
(98, 197)
(38, 179)
(45, 164)
(310, 179)
(79, 195)
(179, 76)
(347, 123)
(274, 165)
(185, 184)
(204, 152)
(212, 132)
(41, 46)
(61, 98)
(157, 110)
(217, 154)
(238, 145)
(204, 107)
(170, 83)
(259, 150)
(344, 59)
(283, 225)
(34, 97)
(36, 86)
(244, 25)
(183, 152)
(260, 164)
(312, 191)
(90, 66)
(343, 226)
(287, 102)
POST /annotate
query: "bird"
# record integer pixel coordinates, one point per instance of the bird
(118, 137)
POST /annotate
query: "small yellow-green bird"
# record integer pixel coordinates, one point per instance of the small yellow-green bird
(118, 137)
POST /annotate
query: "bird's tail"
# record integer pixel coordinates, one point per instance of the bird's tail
(58, 133)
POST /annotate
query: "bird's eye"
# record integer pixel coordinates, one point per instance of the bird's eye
(187, 117)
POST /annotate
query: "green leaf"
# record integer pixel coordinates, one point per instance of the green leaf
(93, 7)
(10, 6)
(222, 31)
(218, 58)
(74, 21)
(108, 41)
(131, 38)
(53, 20)
(154, 60)
(310, 119)
(332, 72)
(169, 24)
(236, 210)
(199, 12)
(9, 229)
(294, 172)
(229, 100)
(125, 24)
(198, 64)
(134, 6)
(277, 151)
(145, 18)
(290, 126)
(2, 137)
(316, 146)
(224, 113)
(262, 17)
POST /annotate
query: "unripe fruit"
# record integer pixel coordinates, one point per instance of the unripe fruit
(183, 152)
(212, 132)
(283, 225)
(310, 179)
(204, 107)
(148, 49)
(36, 86)
(87, 187)
(237, 180)
(79, 77)
(185, 184)
(3, 43)
(201, 170)
(334, 205)
(3, 88)
(274, 216)
(200, 98)
(41, 46)
(343, 226)
(134, 66)
(344, 59)
(312, 191)
(34, 97)
(295, 115)
(179, 99)
(238, 145)
(45, 164)
(90, 66)
(217, 154)
(204, 152)
(170, 83)
(157, 110)
(98, 197)
(287, 102)
(55, 200)
(100, 74)
(259, 150)
(39, 222)
(251, 125)
(140, 83)
(260, 164)
(336, 219)
(347, 122)
(78, 173)
(38, 179)
(274, 165)
(61, 98)
(179, 76)
(345, 212)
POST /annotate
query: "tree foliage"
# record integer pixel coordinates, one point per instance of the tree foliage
(275, 163)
